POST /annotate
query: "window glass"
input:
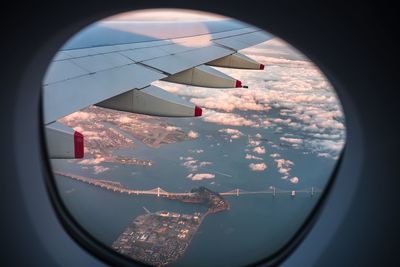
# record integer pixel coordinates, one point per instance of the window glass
(240, 179)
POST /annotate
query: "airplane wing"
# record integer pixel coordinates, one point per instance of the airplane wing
(112, 64)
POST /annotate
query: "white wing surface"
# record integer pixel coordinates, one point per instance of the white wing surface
(109, 62)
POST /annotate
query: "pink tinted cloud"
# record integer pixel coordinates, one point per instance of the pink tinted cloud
(258, 167)
(229, 119)
(200, 176)
(259, 150)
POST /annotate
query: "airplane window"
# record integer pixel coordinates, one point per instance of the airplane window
(182, 138)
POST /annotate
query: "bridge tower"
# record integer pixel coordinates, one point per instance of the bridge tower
(237, 192)
(274, 192)
(158, 191)
(312, 191)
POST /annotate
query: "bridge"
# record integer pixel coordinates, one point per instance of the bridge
(158, 191)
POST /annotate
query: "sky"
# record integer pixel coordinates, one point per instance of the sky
(166, 15)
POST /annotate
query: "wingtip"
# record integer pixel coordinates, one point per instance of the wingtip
(78, 145)
(198, 111)
(262, 66)
(238, 84)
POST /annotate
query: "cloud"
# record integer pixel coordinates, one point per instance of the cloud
(228, 119)
(193, 134)
(283, 163)
(293, 87)
(294, 180)
(197, 151)
(125, 120)
(259, 150)
(99, 169)
(232, 133)
(200, 176)
(324, 155)
(79, 116)
(326, 145)
(281, 121)
(186, 158)
(190, 165)
(253, 142)
(171, 128)
(257, 166)
(284, 166)
(284, 170)
(93, 161)
(205, 163)
(275, 155)
(291, 140)
(249, 156)
(229, 103)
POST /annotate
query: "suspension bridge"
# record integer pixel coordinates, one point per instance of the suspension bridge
(158, 191)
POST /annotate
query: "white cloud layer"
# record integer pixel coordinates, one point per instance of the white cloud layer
(228, 119)
(99, 169)
(200, 176)
(93, 161)
(193, 134)
(291, 140)
(290, 83)
(258, 167)
(259, 150)
(249, 156)
(192, 164)
(232, 133)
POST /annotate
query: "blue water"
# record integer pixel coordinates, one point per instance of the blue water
(254, 227)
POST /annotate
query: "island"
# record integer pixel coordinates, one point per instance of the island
(162, 237)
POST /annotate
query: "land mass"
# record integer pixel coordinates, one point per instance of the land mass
(162, 237)
(108, 130)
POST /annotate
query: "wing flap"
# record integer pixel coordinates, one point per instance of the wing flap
(152, 100)
(204, 76)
